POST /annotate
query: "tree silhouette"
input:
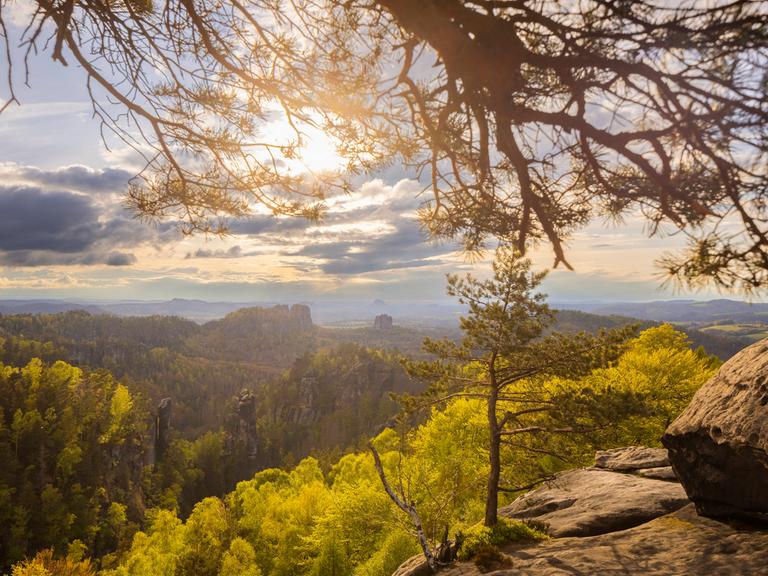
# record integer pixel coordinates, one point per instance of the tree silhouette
(525, 118)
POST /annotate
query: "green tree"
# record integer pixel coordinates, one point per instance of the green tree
(205, 536)
(504, 360)
(396, 549)
(45, 564)
(239, 560)
(332, 560)
(72, 446)
(663, 372)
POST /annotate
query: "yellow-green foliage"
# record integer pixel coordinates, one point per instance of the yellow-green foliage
(65, 435)
(44, 564)
(342, 523)
(396, 548)
(239, 560)
(660, 366)
(479, 537)
(450, 458)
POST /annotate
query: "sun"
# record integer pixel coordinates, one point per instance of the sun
(317, 153)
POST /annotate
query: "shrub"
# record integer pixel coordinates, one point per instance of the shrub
(481, 538)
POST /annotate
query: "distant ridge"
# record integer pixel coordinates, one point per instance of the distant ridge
(690, 311)
(679, 311)
(45, 307)
(203, 311)
(197, 310)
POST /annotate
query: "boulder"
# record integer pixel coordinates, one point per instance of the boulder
(590, 501)
(718, 446)
(631, 458)
(679, 544)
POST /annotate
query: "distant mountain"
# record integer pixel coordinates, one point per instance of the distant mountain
(685, 311)
(45, 307)
(324, 312)
(197, 310)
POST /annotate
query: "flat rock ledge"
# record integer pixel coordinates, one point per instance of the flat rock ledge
(622, 521)
(678, 544)
(590, 501)
(631, 458)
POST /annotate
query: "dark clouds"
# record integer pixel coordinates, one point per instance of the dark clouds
(404, 247)
(233, 252)
(73, 216)
(31, 219)
(263, 224)
(120, 259)
(43, 228)
(80, 178)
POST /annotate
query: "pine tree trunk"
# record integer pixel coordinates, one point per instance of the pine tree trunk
(492, 495)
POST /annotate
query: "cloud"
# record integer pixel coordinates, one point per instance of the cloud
(404, 246)
(31, 219)
(120, 259)
(79, 178)
(40, 227)
(261, 224)
(233, 252)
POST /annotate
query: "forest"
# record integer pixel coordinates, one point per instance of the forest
(99, 481)
(77, 491)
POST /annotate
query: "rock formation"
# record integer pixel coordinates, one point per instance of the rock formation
(383, 322)
(586, 502)
(611, 520)
(246, 425)
(302, 316)
(678, 544)
(718, 446)
(162, 428)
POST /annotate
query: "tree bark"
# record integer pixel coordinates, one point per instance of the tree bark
(494, 453)
(407, 507)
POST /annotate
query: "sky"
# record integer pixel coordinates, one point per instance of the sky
(65, 232)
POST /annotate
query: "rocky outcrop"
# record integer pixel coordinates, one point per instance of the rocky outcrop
(590, 501)
(415, 566)
(640, 460)
(679, 544)
(382, 322)
(246, 423)
(631, 458)
(162, 428)
(619, 523)
(302, 316)
(718, 446)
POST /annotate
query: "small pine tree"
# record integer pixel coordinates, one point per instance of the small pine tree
(505, 357)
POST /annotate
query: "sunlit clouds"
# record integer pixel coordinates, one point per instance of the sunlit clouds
(67, 233)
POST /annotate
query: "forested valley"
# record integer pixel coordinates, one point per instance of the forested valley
(160, 446)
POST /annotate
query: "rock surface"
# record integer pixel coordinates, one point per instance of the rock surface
(679, 544)
(631, 458)
(615, 523)
(414, 566)
(718, 446)
(590, 501)
(663, 473)
(162, 428)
